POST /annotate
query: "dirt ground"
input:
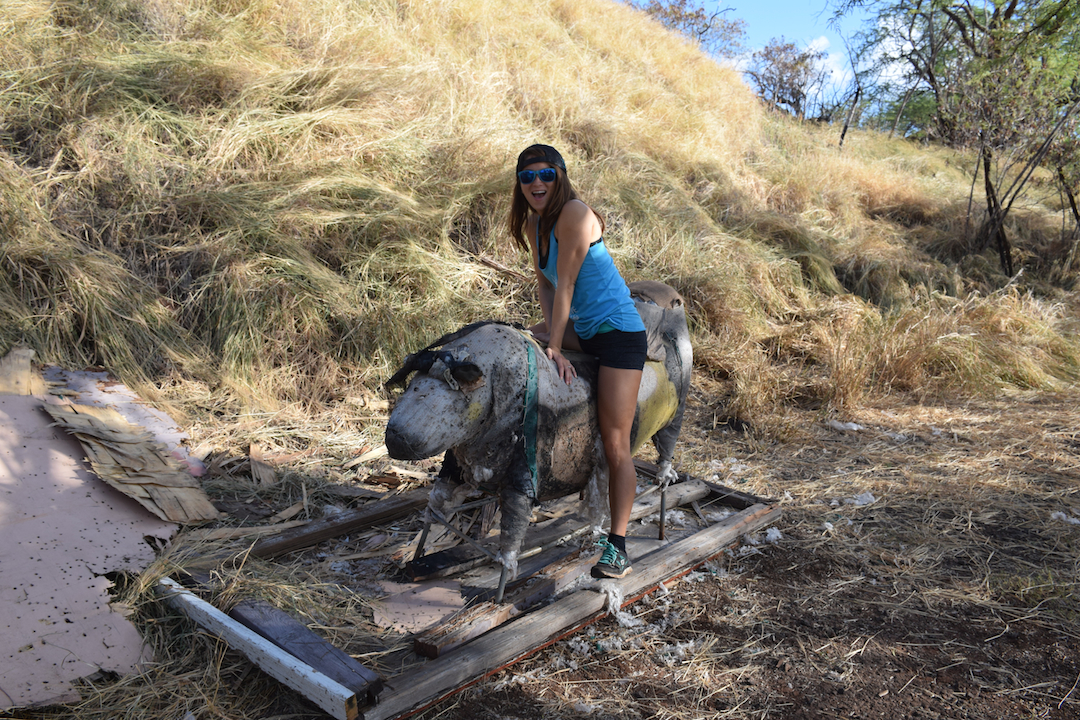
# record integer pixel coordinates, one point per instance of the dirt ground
(925, 566)
(927, 569)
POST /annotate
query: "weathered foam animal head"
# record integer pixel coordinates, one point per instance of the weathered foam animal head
(443, 405)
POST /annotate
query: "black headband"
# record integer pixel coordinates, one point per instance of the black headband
(540, 153)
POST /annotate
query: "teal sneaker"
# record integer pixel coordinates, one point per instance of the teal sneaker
(613, 562)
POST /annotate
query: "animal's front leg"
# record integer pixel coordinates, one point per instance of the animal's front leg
(516, 510)
(446, 485)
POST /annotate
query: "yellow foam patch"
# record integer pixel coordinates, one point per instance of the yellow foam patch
(658, 410)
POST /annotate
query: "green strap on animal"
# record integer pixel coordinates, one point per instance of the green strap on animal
(530, 419)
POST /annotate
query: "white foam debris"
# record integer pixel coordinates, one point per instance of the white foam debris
(773, 535)
(1064, 518)
(843, 426)
(579, 646)
(729, 465)
(672, 654)
(715, 516)
(521, 679)
(614, 605)
(861, 499)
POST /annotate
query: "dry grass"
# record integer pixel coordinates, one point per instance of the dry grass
(299, 197)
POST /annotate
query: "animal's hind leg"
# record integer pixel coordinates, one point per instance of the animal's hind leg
(664, 441)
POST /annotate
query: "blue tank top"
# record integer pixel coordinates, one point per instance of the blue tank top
(600, 294)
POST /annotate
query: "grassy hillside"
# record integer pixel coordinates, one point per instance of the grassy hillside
(273, 202)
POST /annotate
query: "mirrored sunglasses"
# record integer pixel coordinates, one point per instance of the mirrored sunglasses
(547, 175)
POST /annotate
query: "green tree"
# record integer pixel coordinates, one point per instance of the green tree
(1002, 75)
(785, 76)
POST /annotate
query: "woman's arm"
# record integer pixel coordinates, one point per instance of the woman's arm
(576, 228)
(545, 289)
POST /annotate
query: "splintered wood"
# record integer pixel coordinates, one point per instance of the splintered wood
(126, 457)
(17, 376)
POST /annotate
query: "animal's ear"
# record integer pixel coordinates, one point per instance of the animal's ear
(421, 361)
(469, 376)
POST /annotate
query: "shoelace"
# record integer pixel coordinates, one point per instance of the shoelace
(611, 553)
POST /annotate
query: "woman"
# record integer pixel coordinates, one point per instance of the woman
(587, 308)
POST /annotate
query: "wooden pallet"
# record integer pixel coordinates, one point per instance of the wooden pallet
(485, 637)
(529, 632)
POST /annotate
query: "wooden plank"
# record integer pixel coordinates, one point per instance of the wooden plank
(420, 688)
(233, 533)
(17, 376)
(521, 596)
(734, 498)
(461, 627)
(482, 583)
(291, 635)
(556, 578)
(462, 557)
(297, 639)
(382, 511)
(333, 697)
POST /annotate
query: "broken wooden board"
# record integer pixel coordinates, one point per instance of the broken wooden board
(17, 376)
(542, 576)
(463, 557)
(482, 583)
(126, 457)
(414, 690)
(383, 511)
(330, 695)
(291, 635)
(553, 578)
(735, 498)
(62, 531)
(461, 627)
(235, 533)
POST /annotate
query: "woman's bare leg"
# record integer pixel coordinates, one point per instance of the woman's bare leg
(570, 338)
(616, 393)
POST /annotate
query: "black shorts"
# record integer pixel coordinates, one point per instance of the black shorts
(618, 349)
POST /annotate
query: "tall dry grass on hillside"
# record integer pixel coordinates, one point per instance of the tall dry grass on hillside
(275, 201)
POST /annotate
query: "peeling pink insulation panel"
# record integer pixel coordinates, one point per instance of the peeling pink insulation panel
(61, 530)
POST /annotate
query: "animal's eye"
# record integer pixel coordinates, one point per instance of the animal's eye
(466, 373)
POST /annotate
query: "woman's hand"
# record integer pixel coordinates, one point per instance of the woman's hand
(564, 367)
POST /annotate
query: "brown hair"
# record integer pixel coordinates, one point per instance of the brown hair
(561, 193)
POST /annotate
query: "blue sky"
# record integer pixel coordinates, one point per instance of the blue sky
(799, 21)
(803, 22)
